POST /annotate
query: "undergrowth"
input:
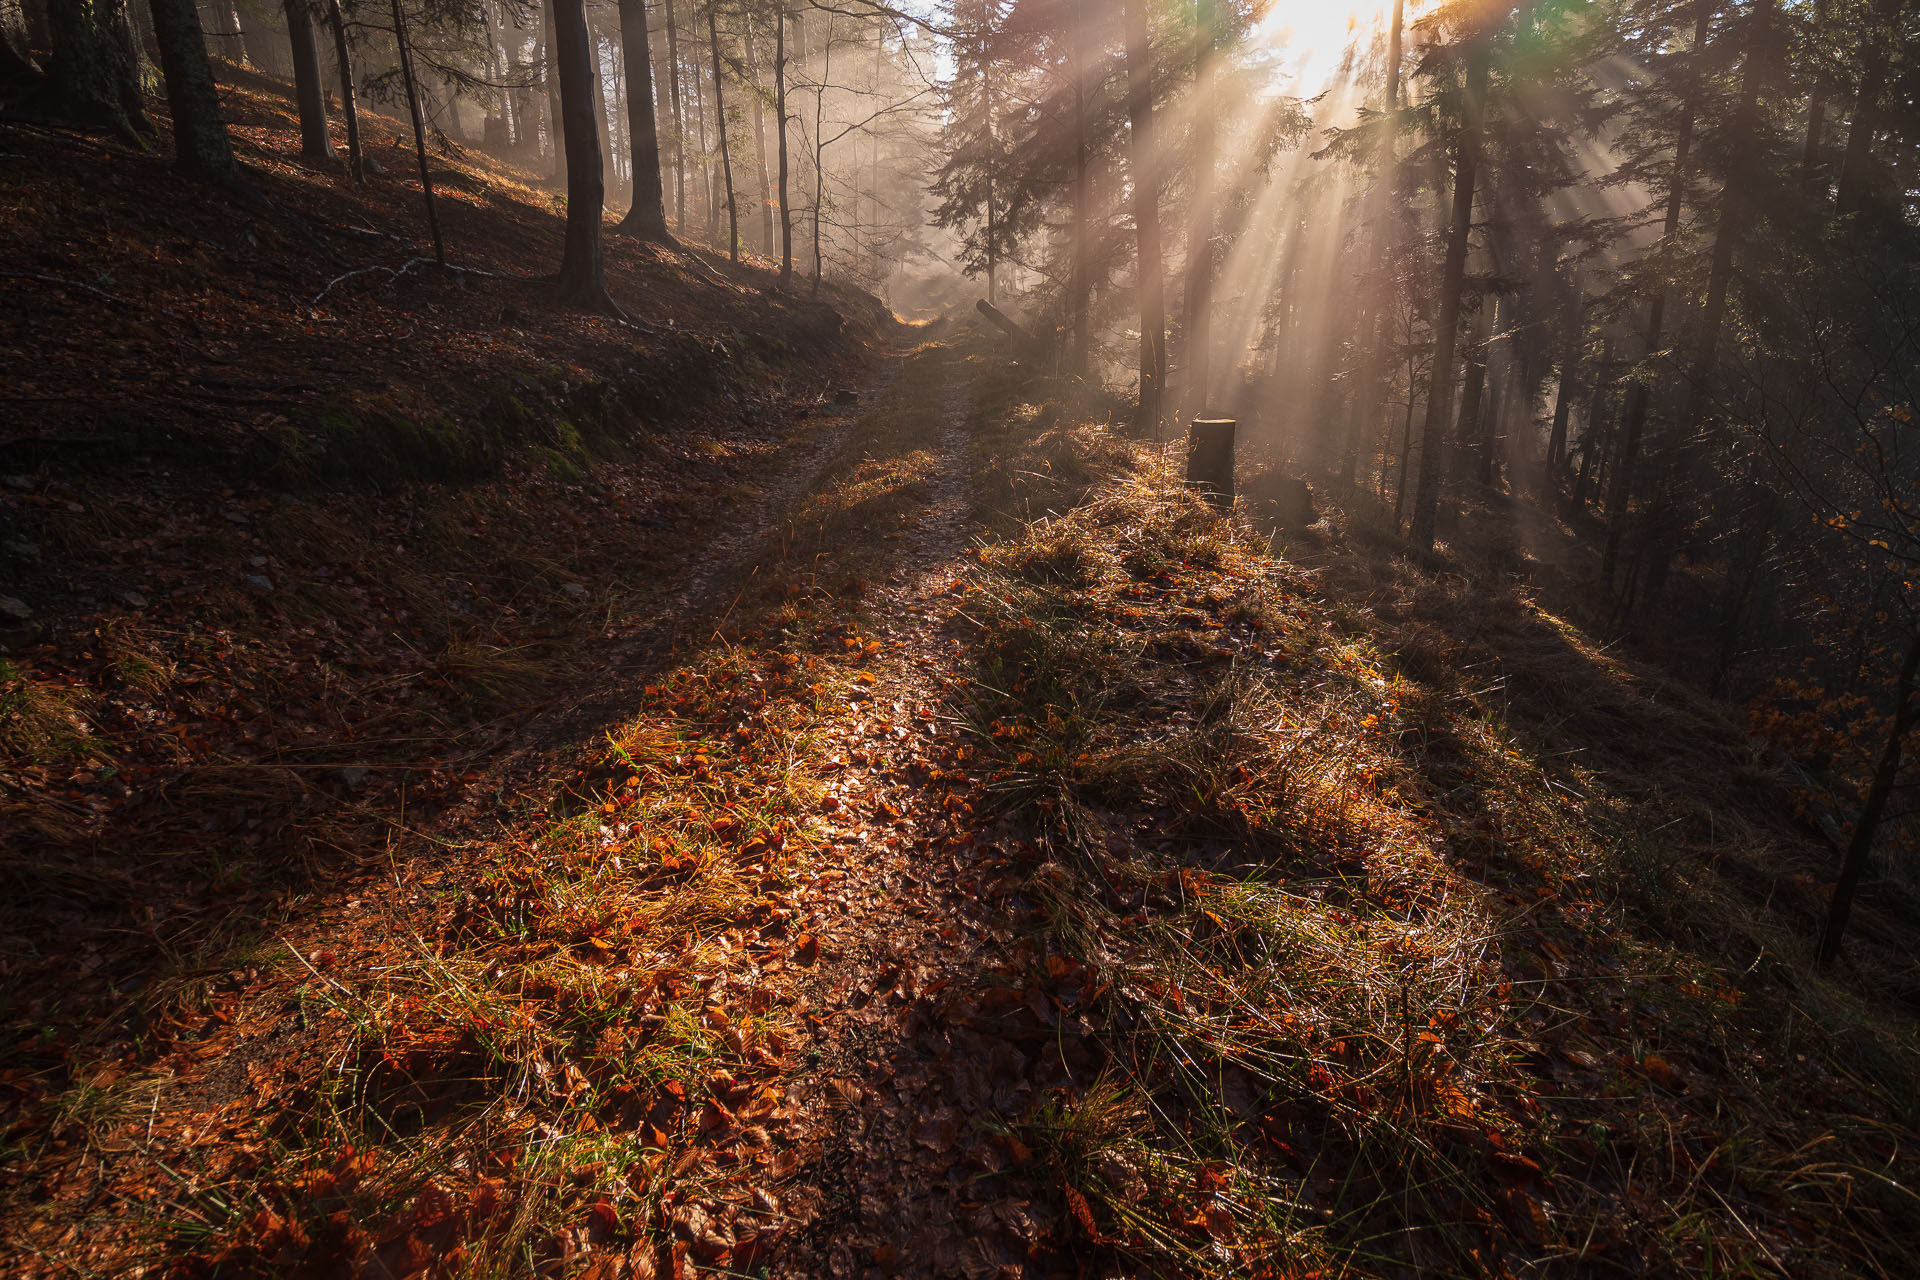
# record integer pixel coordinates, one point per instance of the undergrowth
(1375, 982)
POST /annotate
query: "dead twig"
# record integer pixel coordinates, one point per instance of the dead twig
(404, 269)
(82, 285)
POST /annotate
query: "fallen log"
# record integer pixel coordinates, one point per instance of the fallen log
(1008, 325)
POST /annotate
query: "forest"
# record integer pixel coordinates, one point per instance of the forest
(959, 638)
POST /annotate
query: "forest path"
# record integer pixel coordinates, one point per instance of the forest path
(884, 1112)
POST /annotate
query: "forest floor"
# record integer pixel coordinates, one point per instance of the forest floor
(915, 837)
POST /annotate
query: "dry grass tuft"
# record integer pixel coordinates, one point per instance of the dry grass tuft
(1384, 981)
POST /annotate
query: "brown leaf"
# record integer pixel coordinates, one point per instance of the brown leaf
(937, 1133)
(1661, 1072)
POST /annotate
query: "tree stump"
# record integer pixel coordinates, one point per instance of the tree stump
(1210, 459)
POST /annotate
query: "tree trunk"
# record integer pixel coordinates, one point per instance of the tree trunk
(343, 63)
(993, 200)
(1811, 159)
(765, 187)
(1466, 427)
(1745, 563)
(780, 124)
(1080, 247)
(1568, 389)
(1856, 162)
(820, 147)
(550, 74)
(1446, 328)
(419, 131)
(91, 77)
(39, 23)
(1210, 459)
(582, 282)
(315, 143)
(1146, 213)
(602, 135)
(1497, 363)
(679, 117)
(200, 144)
(232, 44)
(1639, 392)
(257, 50)
(1376, 309)
(726, 154)
(1731, 225)
(1199, 293)
(647, 215)
(708, 206)
(1854, 866)
(19, 75)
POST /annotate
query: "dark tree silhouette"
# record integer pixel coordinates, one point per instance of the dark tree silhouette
(583, 278)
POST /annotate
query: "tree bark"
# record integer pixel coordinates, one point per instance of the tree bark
(549, 72)
(726, 153)
(1815, 140)
(820, 147)
(647, 215)
(419, 131)
(582, 281)
(1620, 486)
(1473, 388)
(343, 63)
(315, 142)
(39, 24)
(765, 187)
(1199, 292)
(200, 144)
(1376, 309)
(602, 121)
(1146, 214)
(993, 198)
(780, 124)
(1080, 247)
(679, 118)
(1446, 328)
(1730, 227)
(1569, 387)
(1210, 459)
(1886, 773)
(91, 77)
(1856, 162)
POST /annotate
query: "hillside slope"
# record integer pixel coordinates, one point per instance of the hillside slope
(910, 838)
(302, 542)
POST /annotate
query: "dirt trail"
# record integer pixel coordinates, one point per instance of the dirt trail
(901, 1178)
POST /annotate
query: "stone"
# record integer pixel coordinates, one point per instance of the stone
(15, 610)
(233, 515)
(260, 582)
(132, 599)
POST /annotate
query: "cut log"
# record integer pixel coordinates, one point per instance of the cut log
(1210, 458)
